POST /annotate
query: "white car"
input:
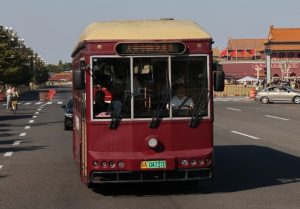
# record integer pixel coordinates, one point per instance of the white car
(278, 94)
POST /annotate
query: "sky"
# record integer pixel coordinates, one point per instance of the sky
(52, 28)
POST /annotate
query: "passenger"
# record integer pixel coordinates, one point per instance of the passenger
(101, 108)
(181, 100)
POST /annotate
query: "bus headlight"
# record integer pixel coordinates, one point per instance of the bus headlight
(193, 162)
(95, 163)
(112, 164)
(184, 163)
(103, 164)
(121, 164)
(152, 142)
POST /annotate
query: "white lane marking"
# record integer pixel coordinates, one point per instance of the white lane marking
(8, 154)
(31, 121)
(59, 102)
(23, 134)
(34, 116)
(234, 109)
(275, 117)
(37, 113)
(1, 166)
(286, 180)
(39, 109)
(49, 102)
(27, 127)
(16, 143)
(27, 103)
(252, 137)
(38, 103)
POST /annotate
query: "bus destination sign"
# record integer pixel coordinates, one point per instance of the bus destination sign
(150, 48)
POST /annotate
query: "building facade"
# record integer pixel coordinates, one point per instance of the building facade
(246, 57)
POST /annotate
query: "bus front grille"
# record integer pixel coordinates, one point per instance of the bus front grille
(150, 176)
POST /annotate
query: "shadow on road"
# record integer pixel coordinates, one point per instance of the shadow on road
(14, 117)
(237, 168)
(21, 149)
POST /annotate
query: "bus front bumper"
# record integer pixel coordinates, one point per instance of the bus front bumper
(150, 176)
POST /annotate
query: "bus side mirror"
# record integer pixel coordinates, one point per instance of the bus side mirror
(78, 80)
(219, 77)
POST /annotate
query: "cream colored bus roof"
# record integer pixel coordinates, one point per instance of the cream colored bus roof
(144, 30)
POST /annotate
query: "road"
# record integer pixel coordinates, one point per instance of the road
(256, 162)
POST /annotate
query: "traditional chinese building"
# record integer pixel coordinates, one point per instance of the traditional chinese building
(64, 78)
(246, 57)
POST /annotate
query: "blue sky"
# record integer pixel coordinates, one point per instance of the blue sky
(52, 28)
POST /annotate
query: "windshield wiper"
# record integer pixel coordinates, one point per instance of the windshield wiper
(199, 108)
(159, 110)
(116, 117)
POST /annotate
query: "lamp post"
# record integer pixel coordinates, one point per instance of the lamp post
(33, 57)
(268, 53)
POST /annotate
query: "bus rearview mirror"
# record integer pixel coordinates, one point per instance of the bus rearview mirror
(219, 77)
(78, 80)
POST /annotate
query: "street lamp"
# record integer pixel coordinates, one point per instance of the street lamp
(268, 53)
(33, 57)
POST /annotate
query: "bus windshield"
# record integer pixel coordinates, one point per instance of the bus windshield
(142, 87)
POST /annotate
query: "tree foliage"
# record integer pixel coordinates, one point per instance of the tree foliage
(20, 64)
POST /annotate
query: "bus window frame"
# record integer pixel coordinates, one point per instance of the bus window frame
(169, 57)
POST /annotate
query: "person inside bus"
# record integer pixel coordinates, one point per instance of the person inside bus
(180, 100)
(101, 108)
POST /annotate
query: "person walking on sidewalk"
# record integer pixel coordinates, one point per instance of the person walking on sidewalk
(8, 97)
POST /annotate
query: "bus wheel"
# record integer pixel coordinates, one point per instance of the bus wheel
(91, 185)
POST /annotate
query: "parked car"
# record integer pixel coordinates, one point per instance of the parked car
(278, 94)
(68, 122)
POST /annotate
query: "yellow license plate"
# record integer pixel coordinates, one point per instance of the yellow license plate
(152, 164)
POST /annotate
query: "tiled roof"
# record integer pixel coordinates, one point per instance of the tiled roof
(284, 34)
(242, 44)
(61, 76)
(216, 52)
(285, 47)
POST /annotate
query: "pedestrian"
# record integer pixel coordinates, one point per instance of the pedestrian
(8, 97)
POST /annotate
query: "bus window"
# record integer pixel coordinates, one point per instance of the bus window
(111, 81)
(189, 86)
(150, 86)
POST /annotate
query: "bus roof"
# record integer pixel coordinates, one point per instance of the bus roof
(144, 30)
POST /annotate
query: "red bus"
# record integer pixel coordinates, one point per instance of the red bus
(143, 102)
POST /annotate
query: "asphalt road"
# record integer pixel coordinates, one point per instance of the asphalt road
(256, 162)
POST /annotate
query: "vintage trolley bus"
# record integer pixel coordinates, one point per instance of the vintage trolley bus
(143, 101)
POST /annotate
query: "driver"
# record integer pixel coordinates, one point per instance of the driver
(180, 100)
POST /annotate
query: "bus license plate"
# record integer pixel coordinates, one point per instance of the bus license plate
(153, 164)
